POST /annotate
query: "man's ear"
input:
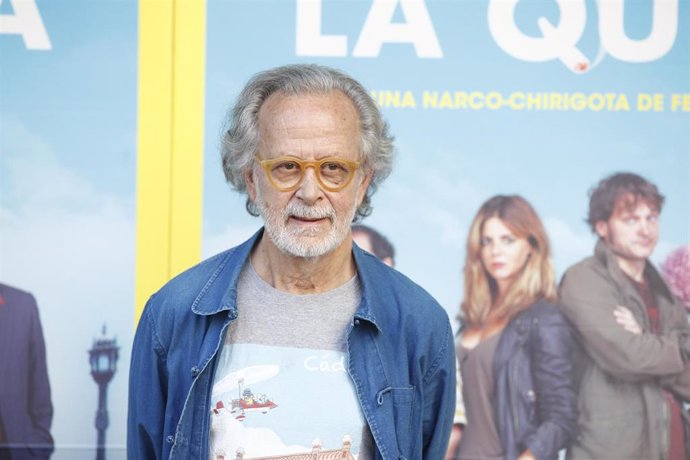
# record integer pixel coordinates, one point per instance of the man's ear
(251, 185)
(601, 227)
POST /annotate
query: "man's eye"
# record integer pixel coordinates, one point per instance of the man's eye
(332, 166)
(288, 166)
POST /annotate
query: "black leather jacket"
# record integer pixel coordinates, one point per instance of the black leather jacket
(535, 398)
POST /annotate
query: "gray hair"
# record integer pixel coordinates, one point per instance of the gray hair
(241, 138)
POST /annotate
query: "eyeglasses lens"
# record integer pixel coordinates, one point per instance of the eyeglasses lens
(332, 173)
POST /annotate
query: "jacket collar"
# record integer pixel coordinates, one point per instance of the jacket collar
(223, 283)
(369, 269)
(606, 256)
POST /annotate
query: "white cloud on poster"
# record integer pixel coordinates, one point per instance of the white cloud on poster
(436, 199)
(34, 176)
(73, 248)
(442, 180)
(450, 227)
(568, 246)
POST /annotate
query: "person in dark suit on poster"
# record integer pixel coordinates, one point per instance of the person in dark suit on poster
(26, 411)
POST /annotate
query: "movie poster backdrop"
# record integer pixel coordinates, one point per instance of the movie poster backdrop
(537, 98)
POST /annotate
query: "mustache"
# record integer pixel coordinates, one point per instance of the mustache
(296, 209)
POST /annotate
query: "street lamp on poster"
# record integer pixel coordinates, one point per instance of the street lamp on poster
(103, 359)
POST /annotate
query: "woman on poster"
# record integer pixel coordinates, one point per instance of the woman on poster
(515, 348)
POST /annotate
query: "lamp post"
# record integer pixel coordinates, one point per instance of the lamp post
(103, 359)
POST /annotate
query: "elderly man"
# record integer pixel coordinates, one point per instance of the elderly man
(295, 342)
(635, 372)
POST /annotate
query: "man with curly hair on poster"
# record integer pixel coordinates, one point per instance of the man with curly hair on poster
(634, 374)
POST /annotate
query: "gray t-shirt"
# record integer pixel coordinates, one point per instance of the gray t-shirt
(281, 385)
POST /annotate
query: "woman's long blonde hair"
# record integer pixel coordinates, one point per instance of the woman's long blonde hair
(537, 279)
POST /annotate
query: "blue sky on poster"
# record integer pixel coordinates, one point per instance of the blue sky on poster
(67, 196)
(450, 160)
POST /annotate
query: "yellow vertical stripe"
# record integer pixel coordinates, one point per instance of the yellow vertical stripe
(188, 127)
(154, 147)
(169, 141)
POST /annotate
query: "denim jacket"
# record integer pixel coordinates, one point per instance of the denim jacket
(400, 358)
(534, 369)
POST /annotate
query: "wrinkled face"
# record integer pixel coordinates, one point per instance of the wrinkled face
(503, 254)
(632, 231)
(308, 221)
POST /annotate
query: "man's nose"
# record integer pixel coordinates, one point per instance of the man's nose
(644, 228)
(309, 190)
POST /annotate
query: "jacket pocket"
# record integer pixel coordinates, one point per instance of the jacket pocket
(402, 400)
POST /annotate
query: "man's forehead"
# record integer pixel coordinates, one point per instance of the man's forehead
(629, 203)
(280, 99)
(282, 109)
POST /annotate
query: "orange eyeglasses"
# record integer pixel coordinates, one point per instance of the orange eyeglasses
(287, 173)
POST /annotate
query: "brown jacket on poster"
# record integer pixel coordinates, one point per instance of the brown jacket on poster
(623, 414)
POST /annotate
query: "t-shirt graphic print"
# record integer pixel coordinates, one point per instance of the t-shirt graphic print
(272, 401)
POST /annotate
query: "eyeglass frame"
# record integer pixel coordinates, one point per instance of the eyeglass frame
(304, 164)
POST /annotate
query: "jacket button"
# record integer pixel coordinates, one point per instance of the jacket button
(170, 439)
(356, 322)
(195, 371)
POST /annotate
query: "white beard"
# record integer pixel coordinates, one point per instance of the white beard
(304, 242)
